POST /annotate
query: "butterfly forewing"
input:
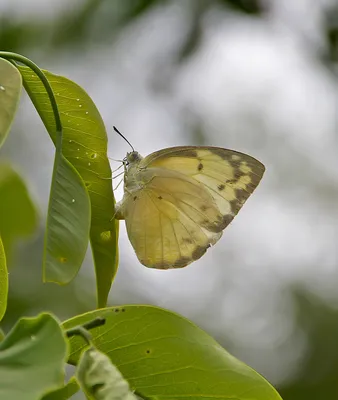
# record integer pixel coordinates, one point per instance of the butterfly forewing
(230, 177)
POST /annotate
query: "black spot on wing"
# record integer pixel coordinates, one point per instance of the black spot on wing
(181, 262)
(221, 187)
(190, 153)
(241, 196)
(200, 166)
(221, 223)
(231, 181)
(199, 251)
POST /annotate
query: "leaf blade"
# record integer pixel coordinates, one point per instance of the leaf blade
(65, 392)
(163, 355)
(68, 224)
(32, 358)
(3, 281)
(10, 93)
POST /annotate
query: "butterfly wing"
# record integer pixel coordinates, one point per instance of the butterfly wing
(172, 220)
(229, 176)
(186, 196)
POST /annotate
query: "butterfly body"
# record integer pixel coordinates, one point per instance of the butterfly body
(177, 201)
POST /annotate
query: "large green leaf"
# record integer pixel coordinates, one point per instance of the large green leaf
(164, 356)
(10, 91)
(85, 146)
(65, 392)
(68, 223)
(32, 359)
(3, 281)
(18, 215)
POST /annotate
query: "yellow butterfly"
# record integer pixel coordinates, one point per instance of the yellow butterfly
(178, 200)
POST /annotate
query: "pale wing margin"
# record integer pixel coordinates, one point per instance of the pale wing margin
(229, 176)
(171, 221)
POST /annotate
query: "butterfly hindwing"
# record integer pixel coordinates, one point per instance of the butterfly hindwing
(171, 221)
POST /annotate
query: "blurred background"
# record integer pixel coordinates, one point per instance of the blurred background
(257, 76)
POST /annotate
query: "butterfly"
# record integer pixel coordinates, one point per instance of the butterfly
(177, 201)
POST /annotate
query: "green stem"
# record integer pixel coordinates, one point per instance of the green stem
(26, 61)
(99, 321)
(82, 330)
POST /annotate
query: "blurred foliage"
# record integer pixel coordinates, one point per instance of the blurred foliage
(245, 6)
(331, 28)
(318, 376)
(75, 26)
(17, 35)
(28, 295)
(18, 216)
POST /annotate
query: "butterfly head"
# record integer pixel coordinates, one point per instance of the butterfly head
(131, 159)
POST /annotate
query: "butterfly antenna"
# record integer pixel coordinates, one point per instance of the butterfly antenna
(117, 131)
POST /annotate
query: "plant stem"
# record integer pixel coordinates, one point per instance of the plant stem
(26, 61)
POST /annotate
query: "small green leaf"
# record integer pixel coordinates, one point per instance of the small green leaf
(18, 215)
(85, 147)
(10, 91)
(100, 379)
(3, 281)
(68, 224)
(32, 358)
(64, 393)
(164, 356)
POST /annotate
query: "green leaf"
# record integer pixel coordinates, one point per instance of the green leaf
(10, 91)
(2, 335)
(85, 146)
(164, 356)
(3, 281)
(18, 215)
(65, 392)
(100, 379)
(32, 358)
(68, 224)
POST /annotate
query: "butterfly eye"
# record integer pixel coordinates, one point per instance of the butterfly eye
(125, 161)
